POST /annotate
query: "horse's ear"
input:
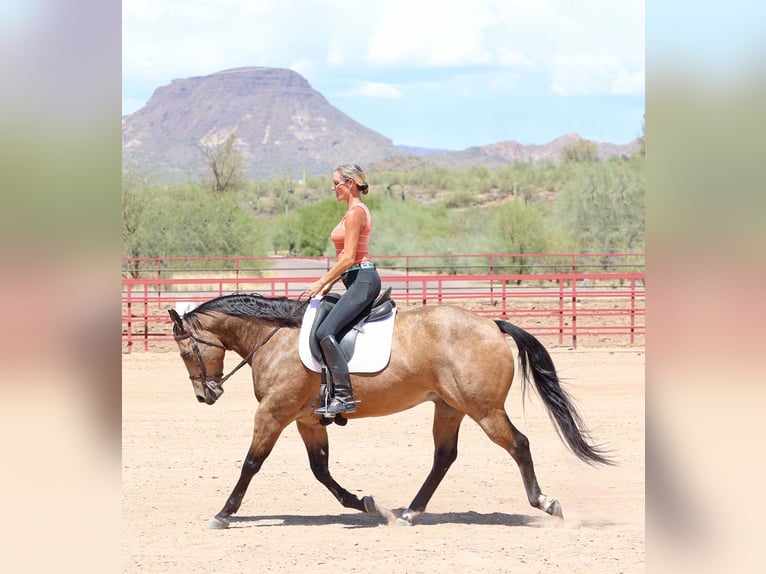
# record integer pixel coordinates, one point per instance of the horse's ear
(176, 318)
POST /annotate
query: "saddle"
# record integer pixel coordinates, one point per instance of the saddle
(381, 308)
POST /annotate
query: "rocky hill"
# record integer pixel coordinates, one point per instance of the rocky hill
(502, 153)
(282, 126)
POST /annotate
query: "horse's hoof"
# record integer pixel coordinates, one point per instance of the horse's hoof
(549, 505)
(405, 519)
(218, 524)
(340, 420)
(370, 507)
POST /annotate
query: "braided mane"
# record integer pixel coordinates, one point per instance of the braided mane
(283, 309)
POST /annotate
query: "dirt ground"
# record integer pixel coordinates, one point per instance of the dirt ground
(182, 458)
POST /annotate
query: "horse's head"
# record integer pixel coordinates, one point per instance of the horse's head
(203, 358)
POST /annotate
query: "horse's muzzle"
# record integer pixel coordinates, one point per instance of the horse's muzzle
(212, 390)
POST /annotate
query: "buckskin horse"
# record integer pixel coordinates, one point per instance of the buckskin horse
(450, 356)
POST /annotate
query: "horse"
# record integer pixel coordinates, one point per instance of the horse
(445, 354)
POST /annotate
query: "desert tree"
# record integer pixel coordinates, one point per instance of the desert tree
(580, 151)
(223, 159)
(602, 206)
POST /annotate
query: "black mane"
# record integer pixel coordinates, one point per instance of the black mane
(282, 309)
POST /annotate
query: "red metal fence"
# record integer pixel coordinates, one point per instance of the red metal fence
(558, 298)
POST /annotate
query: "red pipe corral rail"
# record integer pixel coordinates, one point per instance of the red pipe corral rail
(557, 307)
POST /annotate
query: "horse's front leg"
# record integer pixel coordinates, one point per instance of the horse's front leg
(315, 438)
(266, 431)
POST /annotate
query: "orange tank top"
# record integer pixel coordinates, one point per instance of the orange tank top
(338, 237)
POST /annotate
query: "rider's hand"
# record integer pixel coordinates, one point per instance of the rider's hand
(316, 288)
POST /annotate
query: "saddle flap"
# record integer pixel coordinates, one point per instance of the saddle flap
(381, 308)
(367, 344)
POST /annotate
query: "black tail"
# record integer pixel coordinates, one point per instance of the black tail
(569, 425)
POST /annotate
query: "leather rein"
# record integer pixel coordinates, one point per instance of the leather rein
(203, 376)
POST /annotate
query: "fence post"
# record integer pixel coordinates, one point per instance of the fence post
(505, 295)
(129, 319)
(632, 310)
(574, 311)
(146, 316)
(561, 310)
(159, 273)
(491, 282)
(407, 274)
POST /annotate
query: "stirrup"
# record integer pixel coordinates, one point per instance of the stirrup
(343, 406)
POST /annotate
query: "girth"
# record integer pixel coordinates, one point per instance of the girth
(381, 308)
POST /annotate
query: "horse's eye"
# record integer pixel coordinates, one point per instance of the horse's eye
(186, 354)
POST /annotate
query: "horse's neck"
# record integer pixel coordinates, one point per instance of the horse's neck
(243, 335)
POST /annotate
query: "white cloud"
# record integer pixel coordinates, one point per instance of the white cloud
(597, 48)
(585, 74)
(469, 85)
(591, 46)
(375, 90)
(167, 39)
(588, 47)
(511, 59)
(429, 33)
(629, 83)
(303, 66)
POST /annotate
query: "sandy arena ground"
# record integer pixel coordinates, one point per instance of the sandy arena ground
(182, 458)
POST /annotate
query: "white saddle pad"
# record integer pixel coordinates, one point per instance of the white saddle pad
(373, 343)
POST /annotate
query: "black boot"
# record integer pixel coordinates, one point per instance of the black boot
(343, 396)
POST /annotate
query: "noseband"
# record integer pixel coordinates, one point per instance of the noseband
(202, 376)
(209, 380)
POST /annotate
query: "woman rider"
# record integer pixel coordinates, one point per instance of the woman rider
(351, 237)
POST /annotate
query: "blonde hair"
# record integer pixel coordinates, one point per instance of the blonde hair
(356, 173)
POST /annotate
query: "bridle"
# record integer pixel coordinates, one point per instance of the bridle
(210, 381)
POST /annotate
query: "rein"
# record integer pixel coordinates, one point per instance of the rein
(203, 375)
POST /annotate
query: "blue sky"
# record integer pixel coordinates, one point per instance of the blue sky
(434, 73)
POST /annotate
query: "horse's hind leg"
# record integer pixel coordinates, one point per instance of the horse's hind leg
(499, 428)
(445, 432)
(317, 445)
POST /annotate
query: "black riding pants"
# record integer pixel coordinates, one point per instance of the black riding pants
(362, 287)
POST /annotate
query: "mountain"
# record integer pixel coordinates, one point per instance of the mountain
(415, 150)
(282, 126)
(502, 153)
